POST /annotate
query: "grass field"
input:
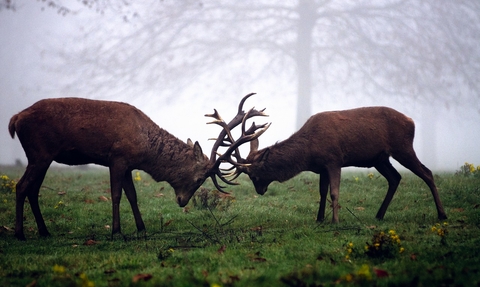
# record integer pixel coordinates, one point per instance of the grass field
(245, 239)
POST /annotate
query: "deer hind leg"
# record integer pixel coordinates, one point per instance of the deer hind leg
(131, 194)
(323, 187)
(116, 179)
(334, 178)
(409, 160)
(29, 186)
(386, 169)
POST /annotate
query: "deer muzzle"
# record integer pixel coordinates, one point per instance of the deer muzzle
(182, 201)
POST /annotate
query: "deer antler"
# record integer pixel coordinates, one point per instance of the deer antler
(225, 139)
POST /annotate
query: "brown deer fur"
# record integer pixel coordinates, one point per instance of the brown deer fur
(363, 137)
(76, 131)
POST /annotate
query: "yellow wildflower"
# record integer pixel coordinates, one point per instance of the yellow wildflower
(58, 268)
(137, 176)
(401, 250)
(364, 272)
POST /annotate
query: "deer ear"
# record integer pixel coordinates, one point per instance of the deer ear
(197, 152)
(263, 156)
(189, 142)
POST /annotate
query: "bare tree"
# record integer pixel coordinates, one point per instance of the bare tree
(418, 50)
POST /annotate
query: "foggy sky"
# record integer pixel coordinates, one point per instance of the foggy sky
(29, 36)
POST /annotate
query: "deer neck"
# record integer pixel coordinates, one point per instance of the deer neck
(287, 159)
(167, 156)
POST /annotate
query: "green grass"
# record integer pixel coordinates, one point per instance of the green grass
(243, 240)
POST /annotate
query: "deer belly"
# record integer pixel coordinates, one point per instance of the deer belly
(365, 160)
(75, 157)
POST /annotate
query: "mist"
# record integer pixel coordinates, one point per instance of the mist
(176, 75)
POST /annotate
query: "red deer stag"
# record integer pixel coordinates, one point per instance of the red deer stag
(77, 131)
(363, 137)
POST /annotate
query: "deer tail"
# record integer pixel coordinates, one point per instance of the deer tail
(11, 125)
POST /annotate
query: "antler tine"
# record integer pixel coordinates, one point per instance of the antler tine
(253, 128)
(240, 106)
(215, 115)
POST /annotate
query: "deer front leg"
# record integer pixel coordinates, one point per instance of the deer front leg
(131, 194)
(334, 177)
(324, 182)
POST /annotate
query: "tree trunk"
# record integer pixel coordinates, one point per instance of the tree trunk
(306, 22)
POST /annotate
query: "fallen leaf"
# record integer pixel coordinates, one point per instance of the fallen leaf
(32, 284)
(168, 222)
(89, 201)
(413, 257)
(186, 209)
(222, 249)
(144, 277)
(458, 209)
(234, 278)
(107, 226)
(159, 195)
(6, 228)
(258, 259)
(380, 273)
(103, 198)
(360, 208)
(205, 273)
(90, 242)
(62, 193)
(258, 228)
(371, 227)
